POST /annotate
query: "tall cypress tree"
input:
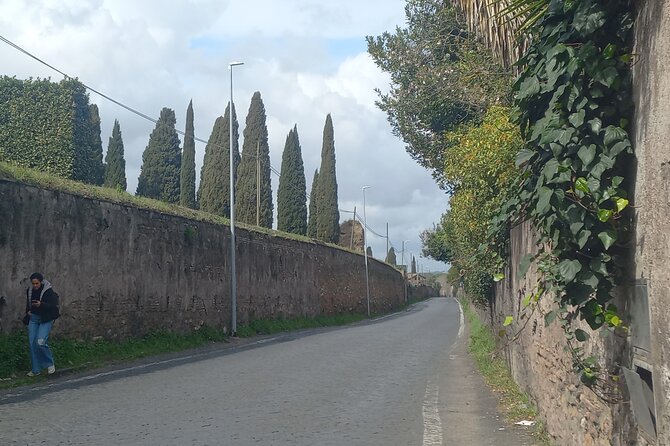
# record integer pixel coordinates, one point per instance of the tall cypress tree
(214, 191)
(291, 194)
(96, 173)
(413, 269)
(255, 142)
(187, 174)
(115, 164)
(313, 209)
(328, 214)
(161, 161)
(390, 257)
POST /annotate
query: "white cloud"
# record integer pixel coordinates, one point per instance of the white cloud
(306, 57)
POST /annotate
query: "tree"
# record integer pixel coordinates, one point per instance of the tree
(115, 164)
(328, 213)
(413, 269)
(187, 174)
(96, 174)
(255, 154)
(291, 195)
(390, 257)
(161, 161)
(368, 250)
(214, 191)
(442, 76)
(313, 211)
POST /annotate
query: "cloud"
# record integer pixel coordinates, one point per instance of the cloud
(306, 57)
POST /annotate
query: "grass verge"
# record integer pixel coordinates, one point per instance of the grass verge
(515, 404)
(88, 354)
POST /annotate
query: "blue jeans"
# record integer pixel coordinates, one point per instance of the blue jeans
(38, 337)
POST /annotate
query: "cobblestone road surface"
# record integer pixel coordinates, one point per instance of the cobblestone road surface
(400, 380)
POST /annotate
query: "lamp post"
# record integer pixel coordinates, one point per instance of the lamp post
(404, 270)
(233, 278)
(365, 250)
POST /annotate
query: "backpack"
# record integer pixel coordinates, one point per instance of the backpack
(56, 311)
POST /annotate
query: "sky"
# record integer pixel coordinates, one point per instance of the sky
(308, 58)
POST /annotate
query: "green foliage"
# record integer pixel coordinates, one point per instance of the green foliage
(214, 190)
(328, 212)
(187, 173)
(115, 163)
(255, 141)
(161, 161)
(442, 76)
(480, 170)
(573, 104)
(51, 127)
(390, 257)
(291, 194)
(311, 225)
(368, 251)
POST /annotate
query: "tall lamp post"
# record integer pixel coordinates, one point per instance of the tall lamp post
(232, 209)
(404, 270)
(365, 250)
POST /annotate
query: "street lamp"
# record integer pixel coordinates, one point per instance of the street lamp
(365, 249)
(232, 208)
(404, 270)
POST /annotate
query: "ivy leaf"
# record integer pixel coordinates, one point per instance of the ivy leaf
(529, 87)
(576, 226)
(609, 51)
(587, 154)
(621, 204)
(524, 264)
(608, 238)
(543, 200)
(583, 238)
(595, 124)
(604, 215)
(607, 76)
(621, 146)
(582, 185)
(614, 134)
(581, 335)
(597, 266)
(523, 156)
(508, 321)
(549, 318)
(568, 269)
(498, 277)
(577, 119)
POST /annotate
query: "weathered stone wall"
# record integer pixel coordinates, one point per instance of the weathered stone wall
(651, 81)
(574, 414)
(124, 271)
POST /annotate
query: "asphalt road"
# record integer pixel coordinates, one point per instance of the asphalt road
(405, 379)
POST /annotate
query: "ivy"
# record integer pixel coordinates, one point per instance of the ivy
(573, 102)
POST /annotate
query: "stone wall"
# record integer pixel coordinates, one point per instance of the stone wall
(651, 83)
(124, 271)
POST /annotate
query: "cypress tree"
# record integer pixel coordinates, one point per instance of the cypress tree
(311, 226)
(369, 251)
(291, 194)
(255, 140)
(115, 164)
(214, 191)
(390, 257)
(328, 214)
(187, 174)
(96, 175)
(413, 270)
(161, 161)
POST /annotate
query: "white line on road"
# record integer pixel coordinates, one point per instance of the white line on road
(432, 424)
(461, 321)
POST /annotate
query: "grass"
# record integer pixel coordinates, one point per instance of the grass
(515, 404)
(87, 354)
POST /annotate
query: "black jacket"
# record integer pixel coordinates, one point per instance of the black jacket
(49, 308)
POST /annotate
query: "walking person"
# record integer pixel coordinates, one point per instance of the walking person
(43, 308)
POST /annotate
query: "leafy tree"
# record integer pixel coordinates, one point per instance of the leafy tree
(390, 257)
(214, 191)
(161, 161)
(442, 76)
(255, 141)
(187, 174)
(115, 164)
(328, 213)
(413, 268)
(291, 195)
(313, 211)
